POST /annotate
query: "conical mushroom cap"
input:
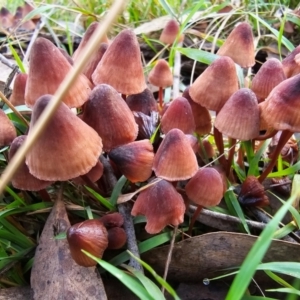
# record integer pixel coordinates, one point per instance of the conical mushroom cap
(161, 74)
(22, 179)
(121, 65)
(290, 65)
(7, 130)
(170, 32)
(202, 117)
(110, 116)
(175, 158)
(216, 84)
(68, 147)
(143, 102)
(239, 117)
(161, 204)
(199, 188)
(269, 75)
(85, 39)
(281, 110)
(47, 69)
(134, 160)
(18, 92)
(93, 174)
(239, 45)
(178, 115)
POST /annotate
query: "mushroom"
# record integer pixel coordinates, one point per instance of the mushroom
(171, 32)
(175, 159)
(67, 149)
(17, 96)
(7, 130)
(89, 235)
(121, 65)
(110, 116)
(134, 160)
(161, 204)
(47, 69)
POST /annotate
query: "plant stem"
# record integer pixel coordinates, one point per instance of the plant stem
(220, 146)
(285, 136)
(160, 97)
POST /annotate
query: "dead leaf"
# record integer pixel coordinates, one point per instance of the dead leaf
(203, 256)
(54, 274)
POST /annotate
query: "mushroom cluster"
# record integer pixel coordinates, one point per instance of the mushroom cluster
(118, 116)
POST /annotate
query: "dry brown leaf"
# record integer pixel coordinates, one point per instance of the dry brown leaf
(54, 274)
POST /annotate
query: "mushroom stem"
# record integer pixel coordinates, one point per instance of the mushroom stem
(9, 104)
(160, 97)
(285, 136)
(232, 144)
(220, 146)
(194, 218)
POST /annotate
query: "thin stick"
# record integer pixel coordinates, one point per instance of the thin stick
(169, 257)
(41, 123)
(9, 104)
(6, 62)
(160, 97)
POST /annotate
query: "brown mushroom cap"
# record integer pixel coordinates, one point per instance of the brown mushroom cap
(143, 102)
(85, 39)
(134, 160)
(161, 74)
(112, 220)
(175, 158)
(89, 235)
(289, 64)
(202, 117)
(93, 174)
(68, 147)
(216, 84)
(18, 92)
(170, 32)
(269, 75)
(239, 117)
(178, 115)
(161, 204)
(110, 116)
(239, 45)
(47, 69)
(121, 65)
(7, 130)
(205, 188)
(281, 110)
(22, 179)
(116, 238)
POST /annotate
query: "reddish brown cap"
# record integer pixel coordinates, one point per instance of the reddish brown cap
(7, 130)
(143, 102)
(86, 37)
(121, 65)
(289, 64)
(175, 158)
(19, 15)
(22, 179)
(68, 147)
(239, 45)
(89, 235)
(281, 110)
(193, 142)
(18, 92)
(117, 238)
(216, 84)
(161, 74)
(93, 175)
(112, 220)
(178, 115)
(269, 75)
(146, 124)
(201, 114)
(134, 160)
(110, 116)
(239, 117)
(205, 188)
(206, 150)
(6, 18)
(47, 69)
(252, 193)
(170, 32)
(161, 204)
